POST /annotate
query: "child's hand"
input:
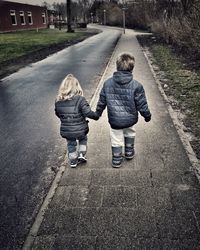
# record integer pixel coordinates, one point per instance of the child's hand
(96, 116)
(147, 119)
(93, 115)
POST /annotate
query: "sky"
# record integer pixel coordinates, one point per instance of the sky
(37, 2)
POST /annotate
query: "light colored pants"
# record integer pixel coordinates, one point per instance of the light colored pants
(117, 136)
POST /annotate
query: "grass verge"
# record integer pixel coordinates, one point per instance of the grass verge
(14, 45)
(179, 81)
(183, 84)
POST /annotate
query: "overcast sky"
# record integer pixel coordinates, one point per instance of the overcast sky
(37, 2)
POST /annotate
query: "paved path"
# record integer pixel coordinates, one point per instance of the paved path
(152, 202)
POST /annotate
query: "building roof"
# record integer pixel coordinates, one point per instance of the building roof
(2, 2)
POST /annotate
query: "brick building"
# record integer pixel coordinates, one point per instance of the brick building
(17, 16)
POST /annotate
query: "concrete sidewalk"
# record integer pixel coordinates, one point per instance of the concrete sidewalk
(152, 202)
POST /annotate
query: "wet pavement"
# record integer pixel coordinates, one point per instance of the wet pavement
(30, 144)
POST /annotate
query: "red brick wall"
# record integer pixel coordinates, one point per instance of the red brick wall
(5, 18)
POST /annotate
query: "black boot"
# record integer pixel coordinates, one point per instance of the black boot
(82, 157)
(129, 147)
(117, 157)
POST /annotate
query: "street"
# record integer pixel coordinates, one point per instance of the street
(30, 144)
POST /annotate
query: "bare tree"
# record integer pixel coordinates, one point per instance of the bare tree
(69, 28)
(47, 5)
(85, 6)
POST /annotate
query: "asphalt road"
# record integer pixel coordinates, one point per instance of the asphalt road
(30, 144)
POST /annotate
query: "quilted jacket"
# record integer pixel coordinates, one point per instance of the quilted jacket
(72, 114)
(124, 98)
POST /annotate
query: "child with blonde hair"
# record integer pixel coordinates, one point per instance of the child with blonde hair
(72, 109)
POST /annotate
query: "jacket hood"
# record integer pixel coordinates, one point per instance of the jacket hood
(122, 77)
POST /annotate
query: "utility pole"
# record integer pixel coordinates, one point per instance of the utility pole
(91, 14)
(104, 17)
(124, 8)
(59, 21)
(124, 19)
(69, 28)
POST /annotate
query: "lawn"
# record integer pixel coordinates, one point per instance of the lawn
(182, 79)
(16, 44)
(183, 83)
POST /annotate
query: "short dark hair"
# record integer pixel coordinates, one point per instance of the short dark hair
(125, 62)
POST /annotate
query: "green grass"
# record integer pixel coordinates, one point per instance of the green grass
(184, 83)
(14, 45)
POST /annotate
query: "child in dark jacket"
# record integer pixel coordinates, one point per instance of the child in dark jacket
(124, 98)
(72, 109)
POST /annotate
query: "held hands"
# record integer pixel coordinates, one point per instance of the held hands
(96, 116)
(147, 119)
(93, 115)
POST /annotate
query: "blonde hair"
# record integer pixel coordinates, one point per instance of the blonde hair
(69, 87)
(125, 62)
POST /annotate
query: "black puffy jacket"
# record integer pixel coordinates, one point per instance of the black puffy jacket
(72, 114)
(124, 98)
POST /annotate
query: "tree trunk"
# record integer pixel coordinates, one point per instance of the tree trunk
(69, 28)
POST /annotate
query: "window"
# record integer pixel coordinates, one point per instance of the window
(43, 18)
(30, 20)
(13, 17)
(22, 18)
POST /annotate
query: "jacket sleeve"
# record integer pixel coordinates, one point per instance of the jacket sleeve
(101, 105)
(141, 102)
(86, 110)
(56, 112)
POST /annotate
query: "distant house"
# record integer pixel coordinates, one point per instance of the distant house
(17, 16)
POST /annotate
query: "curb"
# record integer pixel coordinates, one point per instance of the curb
(179, 127)
(29, 241)
(40, 216)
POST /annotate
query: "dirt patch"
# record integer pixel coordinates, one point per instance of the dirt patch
(12, 66)
(179, 84)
